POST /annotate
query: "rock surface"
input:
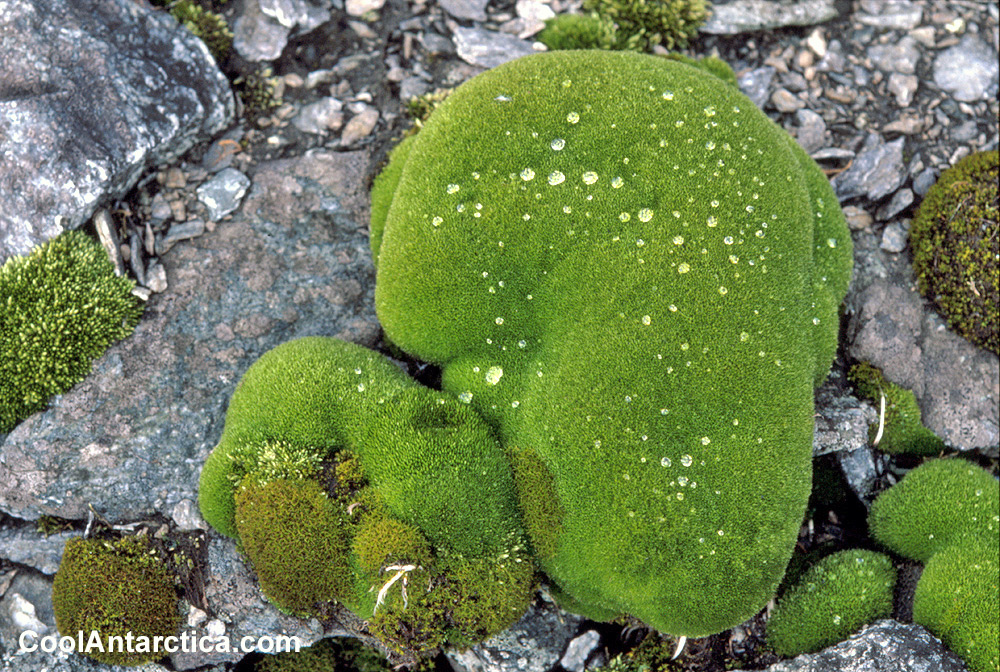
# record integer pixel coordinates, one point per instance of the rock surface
(91, 95)
(745, 16)
(885, 646)
(131, 438)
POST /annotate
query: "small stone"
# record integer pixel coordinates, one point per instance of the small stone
(222, 194)
(159, 209)
(435, 44)
(195, 616)
(187, 516)
(742, 16)
(362, 30)
(359, 127)
(924, 35)
(412, 87)
(174, 178)
(756, 83)
(965, 131)
(900, 201)
(805, 59)
(533, 10)
(786, 101)
(257, 37)
(156, 277)
(901, 57)
(811, 132)
(579, 650)
(903, 87)
(907, 125)
(857, 219)
(362, 7)
(876, 172)
(893, 238)
(893, 14)
(817, 43)
(299, 15)
(220, 154)
(923, 182)
(968, 70)
(321, 117)
(470, 10)
(487, 48)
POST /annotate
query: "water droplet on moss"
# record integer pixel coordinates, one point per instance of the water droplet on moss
(645, 215)
(527, 174)
(668, 95)
(589, 177)
(465, 397)
(678, 240)
(683, 268)
(687, 460)
(437, 221)
(555, 177)
(493, 375)
(617, 182)
(452, 188)
(572, 117)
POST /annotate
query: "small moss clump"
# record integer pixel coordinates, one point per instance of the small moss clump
(643, 24)
(326, 655)
(210, 27)
(955, 238)
(61, 306)
(832, 600)
(902, 430)
(579, 31)
(114, 588)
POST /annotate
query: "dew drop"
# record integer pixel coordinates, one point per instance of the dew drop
(668, 95)
(452, 188)
(687, 460)
(685, 346)
(712, 222)
(515, 404)
(567, 209)
(831, 242)
(499, 320)
(816, 320)
(678, 240)
(680, 496)
(665, 462)
(672, 308)
(617, 182)
(556, 178)
(645, 215)
(710, 111)
(683, 268)
(709, 145)
(572, 117)
(682, 481)
(647, 320)
(589, 177)
(437, 221)
(522, 344)
(493, 375)
(728, 240)
(527, 174)
(734, 259)
(705, 440)
(465, 397)
(557, 144)
(664, 411)
(624, 216)
(744, 337)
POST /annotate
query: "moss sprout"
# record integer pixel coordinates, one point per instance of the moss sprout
(902, 430)
(210, 27)
(955, 237)
(643, 24)
(579, 31)
(114, 588)
(61, 306)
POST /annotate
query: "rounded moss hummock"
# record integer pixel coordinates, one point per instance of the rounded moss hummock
(639, 298)
(61, 306)
(939, 504)
(117, 589)
(902, 429)
(833, 599)
(955, 238)
(958, 600)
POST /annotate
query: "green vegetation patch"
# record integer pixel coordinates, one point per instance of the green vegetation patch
(832, 600)
(955, 238)
(643, 24)
(61, 306)
(645, 294)
(902, 430)
(115, 588)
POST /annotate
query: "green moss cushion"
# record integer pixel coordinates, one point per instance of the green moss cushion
(833, 599)
(634, 275)
(939, 504)
(954, 239)
(902, 429)
(115, 588)
(958, 599)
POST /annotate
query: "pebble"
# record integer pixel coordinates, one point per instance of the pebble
(579, 650)
(857, 219)
(257, 37)
(159, 209)
(786, 101)
(362, 7)
(811, 131)
(470, 10)
(299, 15)
(876, 172)
(222, 194)
(923, 182)
(817, 43)
(187, 518)
(359, 127)
(487, 48)
(412, 87)
(220, 154)
(895, 14)
(903, 87)
(893, 238)
(901, 57)
(965, 131)
(900, 201)
(908, 124)
(968, 71)
(756, 83)
(744, 16)
(321, 117)
(435, 44)
(156, 277)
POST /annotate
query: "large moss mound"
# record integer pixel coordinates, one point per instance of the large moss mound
(955, 238)
(634, 276)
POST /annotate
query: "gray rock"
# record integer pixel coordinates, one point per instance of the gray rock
(900, 201)
(756, 84)
(411, 87)
(223, 193)
(885, 646)
(894, 14)
(745, 16)
(435, 44)
(893, 237)
(299, 15)
(131, 438)
(469, 10)
(258, 37)
(579, 651)
(91, 94)
(877, 170)
(362, 7)
(923, 182)
(786, 101)
(321, 117)
(25, 545)
(488, 49)
(180, 231)
(811, 131)
(901, 57)
(968, 70)
(533, 644)
(862, 469)
(957, 385)
(903, 87)
(842, 421)
(965, 131)
(359, 127)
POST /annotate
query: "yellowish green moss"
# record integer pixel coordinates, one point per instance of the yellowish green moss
(902, 430)
(114, 588)
(643, 24)
(955, 238)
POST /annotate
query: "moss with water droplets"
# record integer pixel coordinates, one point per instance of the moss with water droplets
(644, 295)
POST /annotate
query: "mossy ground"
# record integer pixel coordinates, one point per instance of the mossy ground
(902, 430)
